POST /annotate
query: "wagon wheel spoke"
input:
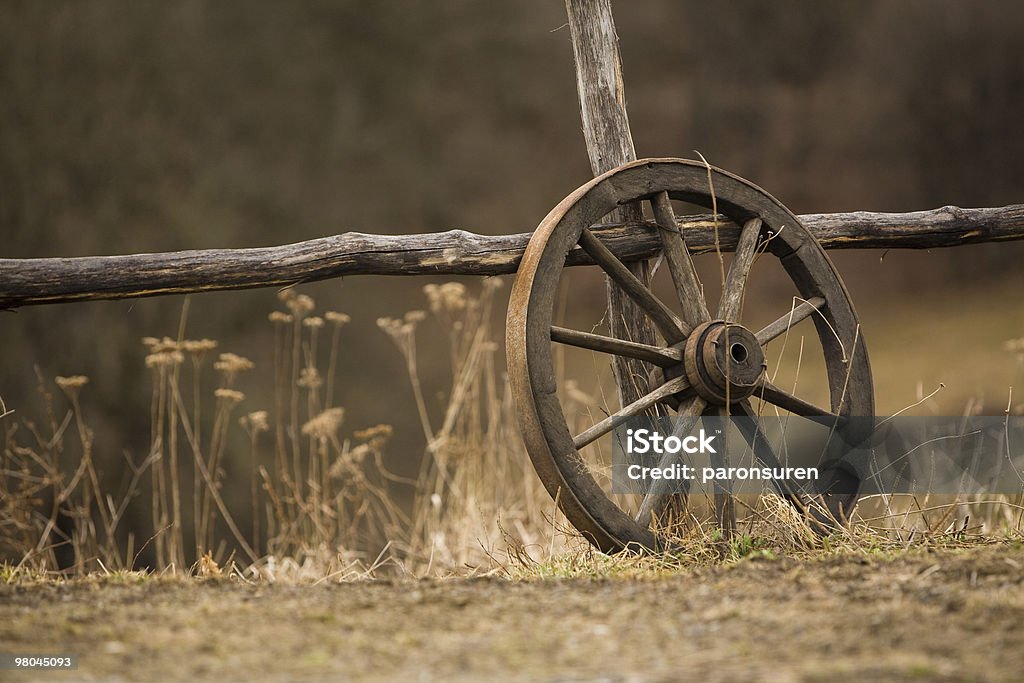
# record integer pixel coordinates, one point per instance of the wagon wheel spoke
(763, 451)
(795, 315)
(794, 404)
(725, 511)
(658, 496)
(668, 323)
(680, 265)
(657, 355)
(638, 406)
(731, 305)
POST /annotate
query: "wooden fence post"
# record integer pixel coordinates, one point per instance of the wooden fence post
(609, 144)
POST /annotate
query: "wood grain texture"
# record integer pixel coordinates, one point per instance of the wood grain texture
(664, 356)
(689, 291)
(25, 282)
(731, 305)
(602, 96)
(595, 47)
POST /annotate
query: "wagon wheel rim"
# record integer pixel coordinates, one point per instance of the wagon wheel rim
(690, 380)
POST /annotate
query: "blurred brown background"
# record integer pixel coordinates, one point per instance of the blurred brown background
(152, 126)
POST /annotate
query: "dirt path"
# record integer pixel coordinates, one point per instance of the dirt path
(922, 616)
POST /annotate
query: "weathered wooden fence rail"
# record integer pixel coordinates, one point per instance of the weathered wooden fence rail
(25, 282)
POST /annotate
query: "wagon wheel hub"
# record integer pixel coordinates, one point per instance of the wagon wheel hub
(723, 362)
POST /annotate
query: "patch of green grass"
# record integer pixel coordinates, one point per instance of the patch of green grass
(746, 545)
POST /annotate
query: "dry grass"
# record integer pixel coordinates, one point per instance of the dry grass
(315, 498)
(317, 501)
(477, 490)
(314, 501)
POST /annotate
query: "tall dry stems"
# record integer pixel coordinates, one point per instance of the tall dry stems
(477, 493)
(318, 496)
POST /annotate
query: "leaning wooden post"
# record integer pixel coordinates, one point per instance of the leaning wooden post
(609, 144)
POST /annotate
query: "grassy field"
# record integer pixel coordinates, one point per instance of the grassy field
(932, 613)
(309, 569)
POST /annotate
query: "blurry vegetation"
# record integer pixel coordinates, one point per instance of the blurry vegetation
(309, 496)
(147, 126)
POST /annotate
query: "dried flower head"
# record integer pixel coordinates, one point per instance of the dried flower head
(150, 341)
(73, 382)
(401, 332)
(344, 465)
(374, 437)
(198, 346)
(70, 385)
(450, 297)
(166, 344)
(255, 422)
(309, 378)
(390, 326)
(433, 293)
(357, 455)
(300, 305)
(454, 295)
(316, 322)
(163, 359)
(415, 316)
(325, 425)
(338, 319)
(375, 432)
(279, 317)
(232, 364)
(229, 395)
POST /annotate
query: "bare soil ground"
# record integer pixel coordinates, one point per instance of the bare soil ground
(939, 615)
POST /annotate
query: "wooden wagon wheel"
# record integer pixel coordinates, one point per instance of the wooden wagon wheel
(697, 375)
